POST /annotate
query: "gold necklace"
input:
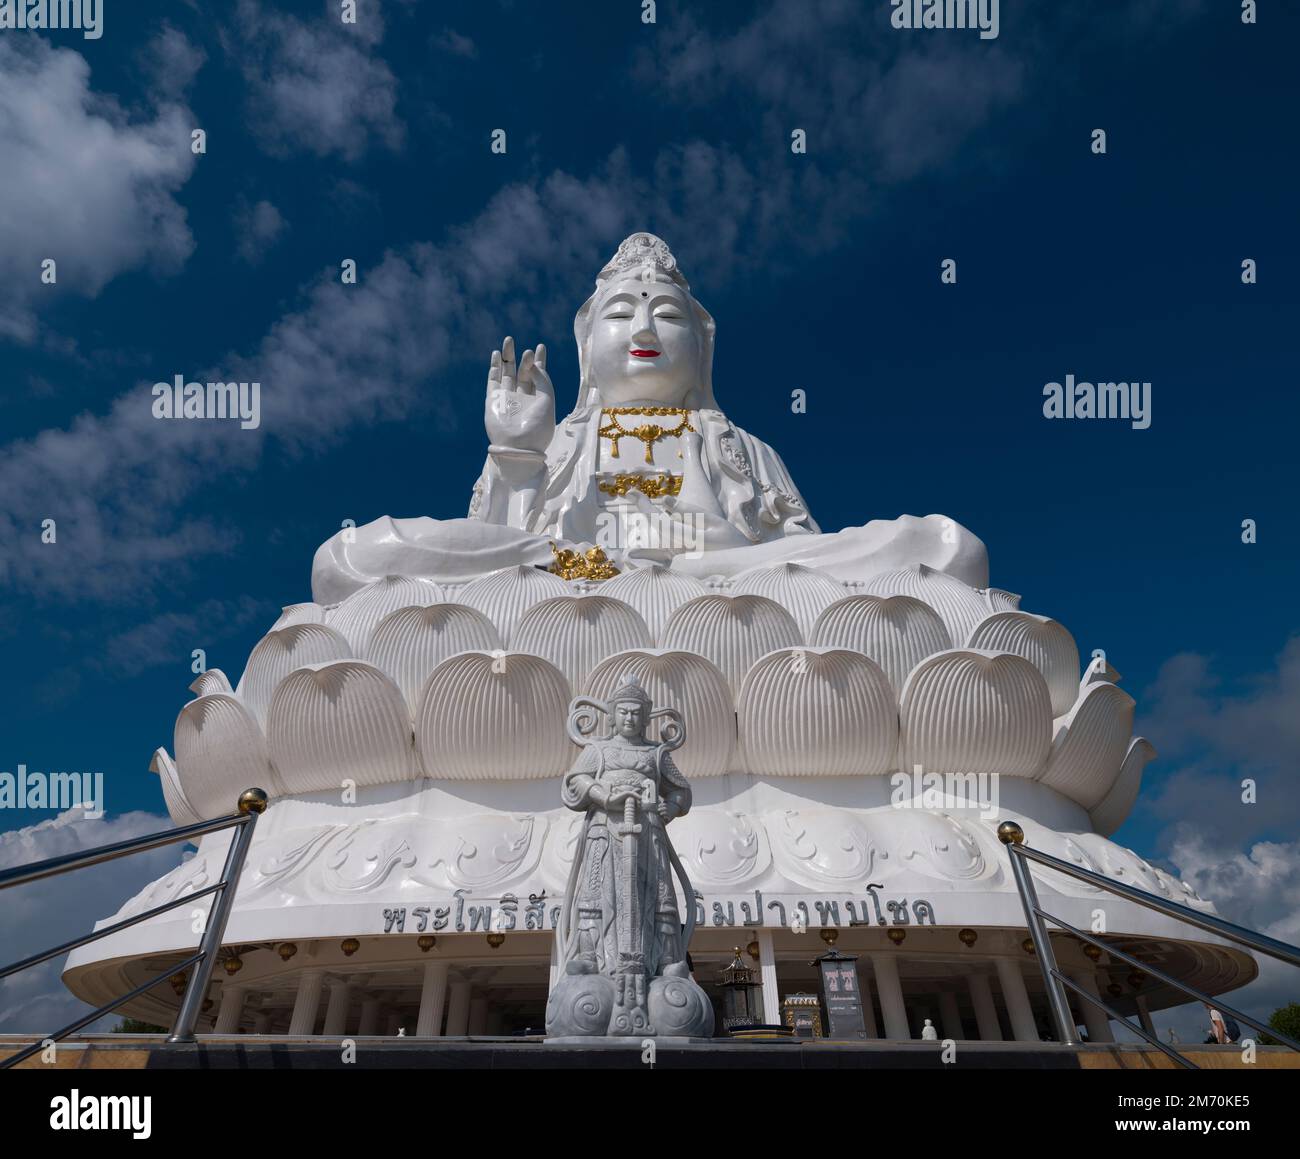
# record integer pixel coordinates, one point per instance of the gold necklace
(648, 433)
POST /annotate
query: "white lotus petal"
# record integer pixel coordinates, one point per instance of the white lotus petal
(343, 720)
(967, 711)
(505, 595)
(692, 685)
(280, 652)
(410, 643)
(1000, 600)
(802, 591)
(655, 592)
(178, 807)
(959, 606)
(1043, 642)
(358, 616)
(213, 680)
(1090, 744)
(292, 614)
(575, 634)
(1115, 806)
(731, 631)
(818, 712)
(897, 632)
(1097, 672)
(494, 717)
(220, 752)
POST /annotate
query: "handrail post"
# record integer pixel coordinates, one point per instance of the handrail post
(1010, 834)
(252, 803)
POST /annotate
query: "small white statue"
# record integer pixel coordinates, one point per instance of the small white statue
(928, 1032)
(622, 942)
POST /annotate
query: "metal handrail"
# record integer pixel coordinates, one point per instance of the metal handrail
(251, 804)
(1013, 836)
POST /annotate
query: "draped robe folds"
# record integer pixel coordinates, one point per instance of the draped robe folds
(754, 499)
(596, 881)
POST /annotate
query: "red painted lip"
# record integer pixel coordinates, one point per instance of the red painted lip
(644, 353)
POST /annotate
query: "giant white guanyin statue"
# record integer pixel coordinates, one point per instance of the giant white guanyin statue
(864, 709)
(646, 468)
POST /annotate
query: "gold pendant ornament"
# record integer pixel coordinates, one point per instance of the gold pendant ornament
(648, 433)
(571, 565)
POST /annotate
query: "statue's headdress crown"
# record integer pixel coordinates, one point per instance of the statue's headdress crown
(630, 689)
(646, 255)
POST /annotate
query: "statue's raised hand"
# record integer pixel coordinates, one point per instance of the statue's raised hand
(519, 412)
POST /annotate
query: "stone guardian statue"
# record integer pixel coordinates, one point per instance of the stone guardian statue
(623, 967)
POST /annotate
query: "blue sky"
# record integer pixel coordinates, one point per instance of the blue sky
(371, 142)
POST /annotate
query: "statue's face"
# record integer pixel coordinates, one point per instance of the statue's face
(629, 719)
(646, 344)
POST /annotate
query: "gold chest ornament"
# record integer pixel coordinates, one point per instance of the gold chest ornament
(648, 433)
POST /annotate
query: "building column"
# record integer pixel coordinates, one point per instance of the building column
(986, 1014)
(767, 975)
(950, 1016)
(868, 1006)
(891, 997)
(1094, 1018)
(432, 1000)
(555, 960)
(232, 1006)
(306, 1004)
(336, 1012)
(478, 1012)
(458, 1010)
(1144, 1015)
(369, 1017)
(1016, 997)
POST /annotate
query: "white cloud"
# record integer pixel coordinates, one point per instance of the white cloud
(314, 85)
(1216, 737)
(451, 41)
(257, 228)
(45, 913)
(82, 183)
(1258, 889)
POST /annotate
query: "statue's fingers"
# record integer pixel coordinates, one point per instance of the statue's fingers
(494, 370)
(526, 373)
(508, 358)
(541, 355)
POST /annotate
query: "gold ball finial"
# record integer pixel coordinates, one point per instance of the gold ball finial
(349, 946)
(1027, 945)
(426, 942)
(496, 939)
(287, 950)
(253, 801)
(234, 964)
(968, 937)
(1091, 951)
(896, 935)
(752, 950)
(1009, 833)
(830, 935)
